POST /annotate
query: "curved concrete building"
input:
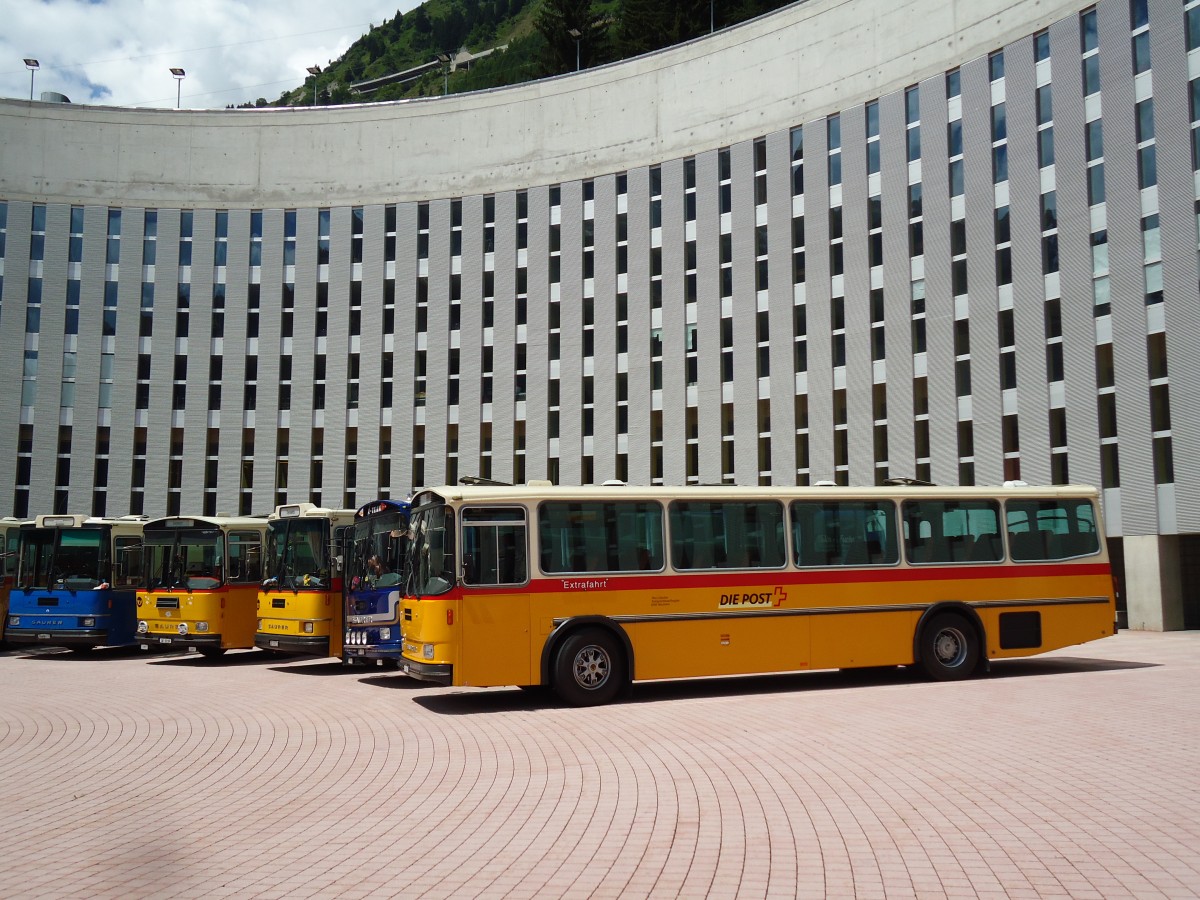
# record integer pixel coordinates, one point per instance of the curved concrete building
(847, 240)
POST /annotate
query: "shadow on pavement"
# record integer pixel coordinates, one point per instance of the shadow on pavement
(387, 678)
(1062, 665)
(69, 654)
(330, 666)
(452, 703)
(235, 658)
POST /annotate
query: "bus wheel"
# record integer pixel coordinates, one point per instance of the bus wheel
(588, 668)
(949, 647)
(212, 652)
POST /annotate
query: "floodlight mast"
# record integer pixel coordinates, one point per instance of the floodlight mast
(178, 75)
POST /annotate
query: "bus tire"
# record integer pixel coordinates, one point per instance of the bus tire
(949, 646)
(588, 668)
(212, 652)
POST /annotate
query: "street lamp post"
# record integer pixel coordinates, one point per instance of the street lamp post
(32, 65)
(178, 74)
(314, 71)
(577, 34)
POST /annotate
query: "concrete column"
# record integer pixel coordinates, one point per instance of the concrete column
(1153, 583)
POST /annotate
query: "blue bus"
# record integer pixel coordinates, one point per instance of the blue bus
(373, 583)
(76, 582)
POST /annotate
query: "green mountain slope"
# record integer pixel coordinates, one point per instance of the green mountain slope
(539, 38)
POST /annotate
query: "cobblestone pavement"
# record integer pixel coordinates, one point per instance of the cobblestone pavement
(1070, 775)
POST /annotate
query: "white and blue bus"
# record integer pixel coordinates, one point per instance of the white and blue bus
(373, 583)
(76, 582)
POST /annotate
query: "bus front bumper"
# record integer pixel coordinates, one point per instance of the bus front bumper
(71, 637)
(437, 673)
(178, 641)
(307, 644)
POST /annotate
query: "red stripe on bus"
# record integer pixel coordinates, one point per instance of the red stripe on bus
(573, 584)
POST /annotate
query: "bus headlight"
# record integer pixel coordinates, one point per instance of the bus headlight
(143, 626)
(427, 651)
(260, 628)
(201, 626)
(14, 620)
(308, 627)
(183, 627)
(385, 634)
(89, 622)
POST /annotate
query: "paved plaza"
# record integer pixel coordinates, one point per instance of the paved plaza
(1070, 775)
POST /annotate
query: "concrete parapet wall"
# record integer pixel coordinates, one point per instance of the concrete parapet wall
(782, 69)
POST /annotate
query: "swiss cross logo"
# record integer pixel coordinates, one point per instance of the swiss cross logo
(780, 595)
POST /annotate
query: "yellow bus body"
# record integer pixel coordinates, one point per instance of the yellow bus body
(202, 581)
(850, 625)
(304, 621)
(220, 619)
(307, 620)
(712, 623)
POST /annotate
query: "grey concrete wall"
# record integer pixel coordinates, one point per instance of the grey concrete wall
(822, 55)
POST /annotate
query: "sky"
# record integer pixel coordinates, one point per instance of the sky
(120, 52)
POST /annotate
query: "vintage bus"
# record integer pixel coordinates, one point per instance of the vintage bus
(201, 586)
(75, 582)
(585, 590)
(373, 574)
(300, 601)
(10, 533)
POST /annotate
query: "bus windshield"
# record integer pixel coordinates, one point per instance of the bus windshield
(297, 554)
(70, 559)
(430, 566)
(184, 558)
(377, 558)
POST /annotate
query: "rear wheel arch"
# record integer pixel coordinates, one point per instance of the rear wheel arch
(971, 619)
(574, 625)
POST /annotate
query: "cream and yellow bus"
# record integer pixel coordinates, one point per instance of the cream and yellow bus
(300, 608)
(585, 590)
(201, 588)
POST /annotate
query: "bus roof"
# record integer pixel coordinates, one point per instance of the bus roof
(79, 520)
(309, 511)
(376, 507)
(222, 522)
(533, 493)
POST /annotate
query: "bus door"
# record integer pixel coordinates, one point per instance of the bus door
(339, 561)
(494, 576)
(243, 575)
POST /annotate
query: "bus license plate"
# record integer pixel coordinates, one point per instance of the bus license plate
(164, 640)
(43, 637)
(274, 643)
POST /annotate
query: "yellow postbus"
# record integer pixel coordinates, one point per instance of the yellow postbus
(585, 590)
(203, 576)
(10, 536)
(300, 607)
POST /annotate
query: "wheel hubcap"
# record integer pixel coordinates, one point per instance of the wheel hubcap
(950, 645)
(591, 667)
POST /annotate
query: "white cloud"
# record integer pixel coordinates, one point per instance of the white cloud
(119, 52)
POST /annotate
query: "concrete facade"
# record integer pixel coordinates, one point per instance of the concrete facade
(845, 241)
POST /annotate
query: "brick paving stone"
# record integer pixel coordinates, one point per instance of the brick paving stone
(1066, 775)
